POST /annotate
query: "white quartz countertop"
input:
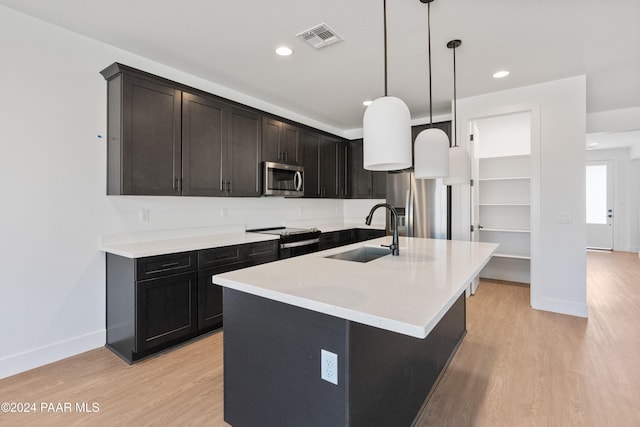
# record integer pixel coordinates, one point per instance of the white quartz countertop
(407, 294)
(182, 244)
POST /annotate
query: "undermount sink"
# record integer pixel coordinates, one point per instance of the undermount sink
(363, 254)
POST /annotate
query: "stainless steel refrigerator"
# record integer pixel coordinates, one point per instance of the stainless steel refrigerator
(423, 205)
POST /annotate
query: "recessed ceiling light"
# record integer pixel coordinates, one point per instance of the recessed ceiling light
(367, 103)
(284, 51)
(500, 74)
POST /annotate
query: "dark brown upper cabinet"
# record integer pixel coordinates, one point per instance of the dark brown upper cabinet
(144, 122)
(204, 136)
(364, 184)
(280, 141)
(310, 144)
(323, 158)
(168, 139)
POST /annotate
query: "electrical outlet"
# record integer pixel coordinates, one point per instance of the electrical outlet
(143, 215)
(329, 366)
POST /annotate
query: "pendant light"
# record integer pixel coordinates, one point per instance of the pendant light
(386, 128)
(431, 147)
(459, 163)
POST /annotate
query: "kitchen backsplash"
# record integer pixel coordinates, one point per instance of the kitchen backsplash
(148, 214)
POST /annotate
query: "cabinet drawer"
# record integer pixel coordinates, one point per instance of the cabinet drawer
(365, 234)
(162, 265)
(261, 250)
(219, 256)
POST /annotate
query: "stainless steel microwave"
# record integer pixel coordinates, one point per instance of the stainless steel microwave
(281, 179)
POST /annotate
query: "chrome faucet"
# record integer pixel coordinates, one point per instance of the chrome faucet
(394, 246)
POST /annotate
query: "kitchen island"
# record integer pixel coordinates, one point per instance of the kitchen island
(393, 323)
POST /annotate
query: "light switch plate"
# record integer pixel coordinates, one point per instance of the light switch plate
(565, 217)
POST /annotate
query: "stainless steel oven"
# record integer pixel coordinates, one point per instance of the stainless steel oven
(281, 179)
(294, 241)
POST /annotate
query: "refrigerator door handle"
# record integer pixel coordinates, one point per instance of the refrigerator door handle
(409, 214)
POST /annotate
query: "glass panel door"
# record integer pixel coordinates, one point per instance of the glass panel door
(599, 206)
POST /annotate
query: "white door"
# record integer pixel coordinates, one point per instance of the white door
(600, 204)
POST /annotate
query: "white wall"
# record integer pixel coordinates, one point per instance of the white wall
(54, 208)
(626, 197)
(505, 135)
(558, 157)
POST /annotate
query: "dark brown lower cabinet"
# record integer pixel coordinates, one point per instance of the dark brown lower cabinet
(166, 310)
(333, 239)
(156, 302)
(209, 301)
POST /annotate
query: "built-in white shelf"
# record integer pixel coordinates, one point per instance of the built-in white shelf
(505, 178)
(505, 204)
(504, 191)
(505, 230)
(511, 256)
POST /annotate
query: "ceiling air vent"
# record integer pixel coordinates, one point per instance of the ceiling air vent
(319, 36)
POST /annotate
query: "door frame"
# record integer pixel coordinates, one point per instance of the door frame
(464, 199)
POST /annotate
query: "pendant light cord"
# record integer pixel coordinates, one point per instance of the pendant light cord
(384, 6)
(455, 102)
(453, 44)
(429, 47)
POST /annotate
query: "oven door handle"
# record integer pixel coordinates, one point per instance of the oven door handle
(301, 243)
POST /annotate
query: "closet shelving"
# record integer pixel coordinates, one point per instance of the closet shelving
(504, 203)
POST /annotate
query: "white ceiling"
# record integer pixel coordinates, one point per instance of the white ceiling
(232, 43)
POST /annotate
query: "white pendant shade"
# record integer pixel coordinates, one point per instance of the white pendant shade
(387, 135)
(459, 167)
(431, 152)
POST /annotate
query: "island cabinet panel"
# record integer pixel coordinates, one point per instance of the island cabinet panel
(272, 362)
(391, 375)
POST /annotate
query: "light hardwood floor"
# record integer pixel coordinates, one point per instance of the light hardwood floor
(515, 367)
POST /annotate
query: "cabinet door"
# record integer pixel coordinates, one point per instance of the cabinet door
(310, 144)
(360, 178)
(151, 121)
(379, 184)
(209, 300)
(271, 133)
(204, 133)
(243, 167)
(166, 310)
(280, 141)
(289, 143)
(329, 168)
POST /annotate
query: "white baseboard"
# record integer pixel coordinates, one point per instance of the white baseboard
(21, 362)
(561, 306)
